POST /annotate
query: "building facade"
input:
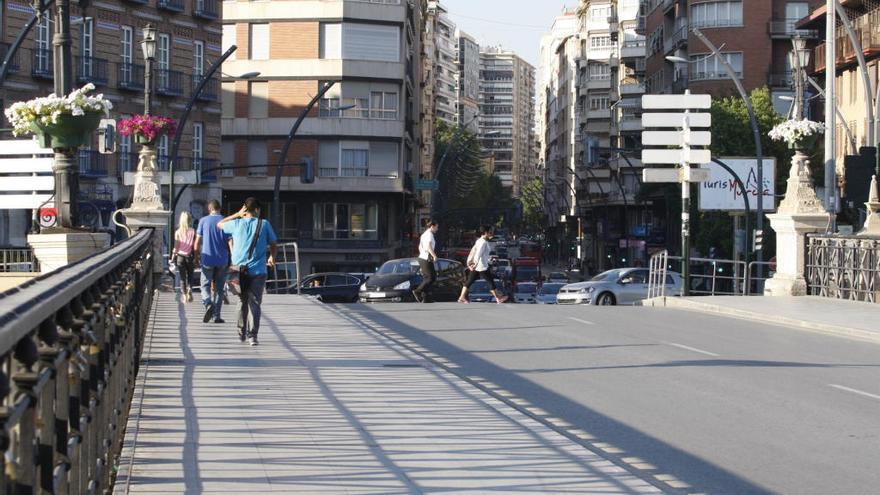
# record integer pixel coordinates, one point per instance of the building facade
(106, 52)
(468, 81)
(363, 137)
(507, 115)
(445, 66)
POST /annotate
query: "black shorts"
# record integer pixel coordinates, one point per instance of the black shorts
(486, 275)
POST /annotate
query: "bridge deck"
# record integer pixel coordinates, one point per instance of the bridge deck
(326, 405)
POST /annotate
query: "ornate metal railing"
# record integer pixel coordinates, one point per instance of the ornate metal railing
(70, 342)
(844, 267)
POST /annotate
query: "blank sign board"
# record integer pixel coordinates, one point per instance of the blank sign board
(676, 138)
(671, 102)
(676, 120)
(676, 156)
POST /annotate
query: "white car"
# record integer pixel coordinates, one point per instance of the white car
(618, 286)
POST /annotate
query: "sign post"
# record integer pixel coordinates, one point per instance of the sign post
(686, 139)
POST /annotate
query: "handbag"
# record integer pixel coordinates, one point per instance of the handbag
(242, 269)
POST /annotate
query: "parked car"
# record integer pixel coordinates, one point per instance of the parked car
(395, 280)
(618, 286)
(547, 292)
(557, 278)
(479, 292)
(332, 287)
(526, 293)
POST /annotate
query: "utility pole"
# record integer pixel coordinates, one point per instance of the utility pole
(830, 116)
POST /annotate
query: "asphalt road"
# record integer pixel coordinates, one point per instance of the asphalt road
(724, 405)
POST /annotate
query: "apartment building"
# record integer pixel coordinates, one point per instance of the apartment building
(106, 52)
(468, 81)
(363, 136)
(753, 35)
(507, 115)
(445, 66)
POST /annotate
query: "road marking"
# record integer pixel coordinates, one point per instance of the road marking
(585, 322)
(693, 349)
(859, 392)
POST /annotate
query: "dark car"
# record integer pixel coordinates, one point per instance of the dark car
(395, 280)
(331, 287)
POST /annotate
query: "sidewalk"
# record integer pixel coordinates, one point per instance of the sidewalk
(327, 406)
(833, 316)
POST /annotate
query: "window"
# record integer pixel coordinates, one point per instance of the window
(795, 11)
(289, 221)
(257, 158)
(227, 100)
(127, 160)
(127, 46)
(354, 159)
(229, 39)
(198, 59)
(601, 42)
(600, 14)
(383, 105)
(87, 40)
(599, 102)
(163, 52)
(600, 71)
(162, 152)
(198, 144)
(717, 14)
(258, 100)
(43, 37)
(227, 158)
(704, 66)
(259, 42)
(356, 221)
(353, 41)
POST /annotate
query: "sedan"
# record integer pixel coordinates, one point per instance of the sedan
(526, 293)
(547, 293)
(331, 287)
(618, 286)
(396, 279)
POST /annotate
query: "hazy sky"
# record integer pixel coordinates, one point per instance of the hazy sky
(515, 24)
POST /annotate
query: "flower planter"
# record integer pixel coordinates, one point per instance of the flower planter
(141, 139)
(69, 132)
(805, 143)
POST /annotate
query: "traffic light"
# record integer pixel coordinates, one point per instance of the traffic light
(307, 176)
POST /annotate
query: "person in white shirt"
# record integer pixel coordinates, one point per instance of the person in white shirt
(478, 264)
(427, 257)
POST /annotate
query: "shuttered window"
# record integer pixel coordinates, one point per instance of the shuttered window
(370, 42)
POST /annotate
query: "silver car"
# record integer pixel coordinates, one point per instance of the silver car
(618, 286)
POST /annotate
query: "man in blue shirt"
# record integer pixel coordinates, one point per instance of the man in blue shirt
(211, 246)
(252, 237)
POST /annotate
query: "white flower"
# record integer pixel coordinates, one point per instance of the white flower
(49, 109)
(792, 131)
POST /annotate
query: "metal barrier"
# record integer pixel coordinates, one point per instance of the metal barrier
(284, 277)
(70, 342)
(657, 274)
(18, 260)
(843, 267)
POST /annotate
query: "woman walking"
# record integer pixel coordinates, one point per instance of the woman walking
(182, 254)
(478, 264)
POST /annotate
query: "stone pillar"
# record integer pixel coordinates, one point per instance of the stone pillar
(58, 250)
(799, 214)
(146, 210)
(872, 222)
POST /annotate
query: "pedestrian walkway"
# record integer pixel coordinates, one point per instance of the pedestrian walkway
(326, 406)
(834, 316)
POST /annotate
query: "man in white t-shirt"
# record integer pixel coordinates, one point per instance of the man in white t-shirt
(427, 257)
(478, 264)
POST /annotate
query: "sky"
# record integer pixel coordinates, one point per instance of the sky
(516, 25)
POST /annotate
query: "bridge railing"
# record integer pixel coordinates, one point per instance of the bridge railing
(70, 342)
(843, 267)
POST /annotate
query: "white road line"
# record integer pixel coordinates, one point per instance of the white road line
(693, 349)
(859, 392)
(585, 322)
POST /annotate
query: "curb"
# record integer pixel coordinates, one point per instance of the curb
(691, 305)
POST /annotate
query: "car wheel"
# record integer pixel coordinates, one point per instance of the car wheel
(606, 299)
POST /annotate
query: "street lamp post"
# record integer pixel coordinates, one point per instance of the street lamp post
(65, 168)
(148, 45)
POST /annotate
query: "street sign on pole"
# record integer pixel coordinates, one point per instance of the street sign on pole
(678, 174)
(675, 138)
(681, 155)
(674, 120)
(427, 185)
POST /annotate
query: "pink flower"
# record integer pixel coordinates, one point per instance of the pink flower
(149, 127)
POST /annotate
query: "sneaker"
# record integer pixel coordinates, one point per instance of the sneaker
(464, 301)
(418, 295)
(241, 335)
(209, 312)
(502, 300)
(219, 320)
(253, 342)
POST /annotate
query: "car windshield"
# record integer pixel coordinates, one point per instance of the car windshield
(549, 289)
(557, 275)
(606, 276)
(399, 267)
(480, 286)
(526, 288)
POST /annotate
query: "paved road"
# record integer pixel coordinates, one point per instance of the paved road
(724, 405)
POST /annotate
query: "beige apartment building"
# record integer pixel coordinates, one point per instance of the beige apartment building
(363, 137)
(106, 52)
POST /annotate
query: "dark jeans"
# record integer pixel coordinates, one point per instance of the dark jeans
(214, 287)
(485, 274)
(185, 271)
(249, 303)
(429, 275)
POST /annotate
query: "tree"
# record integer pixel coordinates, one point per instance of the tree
(461, 166)
(532, 197)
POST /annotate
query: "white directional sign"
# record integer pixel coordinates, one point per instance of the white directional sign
(675, 120)
(668, 102)
(680, 155)
(678, 174)
(676, 138)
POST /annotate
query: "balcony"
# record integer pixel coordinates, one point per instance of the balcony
(597, 83)
(342, 172)
(91, 164)
(170, 5)
(667, 5)
(780, 80)
(639, 66)
(201, 164)
(42, 67)
(633, 49)
(211, 91)
(335, 108)
(630, 89)
(712, 75)
(13, 64)
(92, 70)
(130, 77)
(630, 122)
(678, 39)
(641, 26)
(126, 162)
(206, 9)
(169, 82)
(786, 28)
(137, 2)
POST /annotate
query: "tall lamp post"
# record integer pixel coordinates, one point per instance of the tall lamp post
(148, 45)
(65, 167)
